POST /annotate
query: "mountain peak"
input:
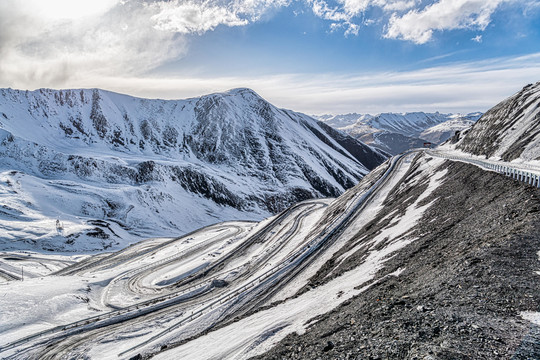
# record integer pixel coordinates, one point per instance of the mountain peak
(241, 90)
(229, 155)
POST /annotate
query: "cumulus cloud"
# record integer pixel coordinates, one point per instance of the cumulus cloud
(198, 17)
(412, 20)
(418, 25)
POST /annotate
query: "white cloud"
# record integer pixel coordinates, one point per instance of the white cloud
(188, 17)
(355, 7)
(418, 25)
(53, 42)
(413, 20)
(397, 5)
(324, 11)
(477, 38)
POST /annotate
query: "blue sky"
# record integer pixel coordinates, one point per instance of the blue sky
(289, 43)
(314, 56)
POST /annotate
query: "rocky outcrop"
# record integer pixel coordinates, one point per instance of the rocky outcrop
(510, 130)
(463, 283)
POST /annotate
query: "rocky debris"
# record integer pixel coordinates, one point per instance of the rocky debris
(465, 280)
(510, 130)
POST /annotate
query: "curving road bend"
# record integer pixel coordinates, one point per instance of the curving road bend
(158, 293)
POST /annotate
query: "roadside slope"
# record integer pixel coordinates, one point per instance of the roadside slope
(464, 284)
(508, 131)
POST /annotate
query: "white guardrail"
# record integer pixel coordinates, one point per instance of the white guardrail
(522, 175)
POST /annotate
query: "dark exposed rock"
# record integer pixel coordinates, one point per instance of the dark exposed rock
(520, 112)
(466, 279)
(98, 119)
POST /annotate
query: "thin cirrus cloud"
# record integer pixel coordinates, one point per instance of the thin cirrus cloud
(441, 88)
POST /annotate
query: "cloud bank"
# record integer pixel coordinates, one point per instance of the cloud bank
(55, 41)
(442, 88)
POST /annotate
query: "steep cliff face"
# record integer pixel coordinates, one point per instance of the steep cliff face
(509, 131)
(165, 165)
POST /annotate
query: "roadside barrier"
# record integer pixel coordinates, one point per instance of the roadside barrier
(522, 175)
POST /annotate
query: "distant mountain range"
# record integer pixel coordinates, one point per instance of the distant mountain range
(113, 168)
(395, 133)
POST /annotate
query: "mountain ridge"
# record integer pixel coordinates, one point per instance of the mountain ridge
(398, 132)
(230, 155)
(509, 131)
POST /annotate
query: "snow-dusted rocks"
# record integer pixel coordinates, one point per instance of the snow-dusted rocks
(114, 168)
(509, 131)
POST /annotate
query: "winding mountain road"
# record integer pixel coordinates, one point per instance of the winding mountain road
(197, 281)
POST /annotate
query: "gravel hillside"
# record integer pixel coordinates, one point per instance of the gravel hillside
(465, 285)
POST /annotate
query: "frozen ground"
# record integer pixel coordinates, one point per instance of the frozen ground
(235, 289)
(188, 284)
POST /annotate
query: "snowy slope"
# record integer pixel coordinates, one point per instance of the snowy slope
(509, 131)
(424, 258)
(114, 168)
(397, 132)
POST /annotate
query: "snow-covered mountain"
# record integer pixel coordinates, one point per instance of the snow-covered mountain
(508, 131)
(440, 133)
(395, 133)
(112, 168)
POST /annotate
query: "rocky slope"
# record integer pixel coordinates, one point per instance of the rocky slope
(112, 167)
(508, 131)
(464, 286)
(395, 133)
